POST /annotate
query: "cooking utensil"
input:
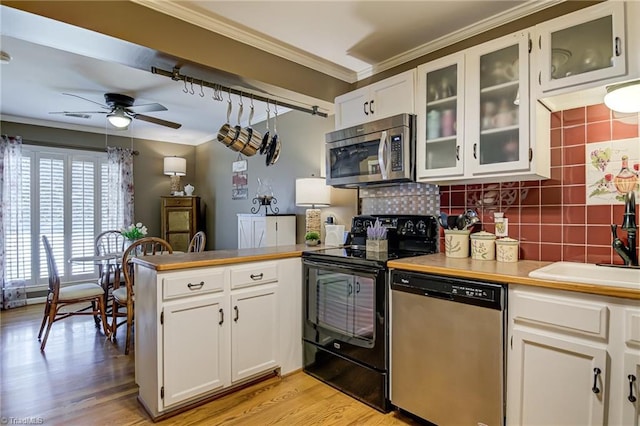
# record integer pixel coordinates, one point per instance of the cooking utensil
(452, 222)
(461, 221)
(443, 220)
(227, 131)
(274, 140)
(254, 139)
(265, 137)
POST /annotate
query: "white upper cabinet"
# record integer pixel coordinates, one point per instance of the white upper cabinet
(440, 131)
(388, 97)
(497, 113)
(475, 121)
(579, 54)
(585, 46)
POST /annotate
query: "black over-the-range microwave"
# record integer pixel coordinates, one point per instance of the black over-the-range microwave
(375, 153)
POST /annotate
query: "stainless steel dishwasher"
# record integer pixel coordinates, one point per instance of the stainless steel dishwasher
(448, 349)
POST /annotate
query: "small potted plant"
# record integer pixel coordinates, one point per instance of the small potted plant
(377, 238)
(312, 238)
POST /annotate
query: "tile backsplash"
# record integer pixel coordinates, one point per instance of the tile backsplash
(403, 198)
(552, 218)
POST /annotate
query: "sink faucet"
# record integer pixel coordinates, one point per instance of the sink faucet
(627, 253)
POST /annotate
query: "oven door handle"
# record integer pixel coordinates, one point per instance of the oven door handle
(341, 267)
(382, 147)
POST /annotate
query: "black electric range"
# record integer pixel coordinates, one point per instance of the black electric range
(345, 299)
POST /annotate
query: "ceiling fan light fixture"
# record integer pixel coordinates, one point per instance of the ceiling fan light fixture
(5, 58)
(119, 119)
(624, 97)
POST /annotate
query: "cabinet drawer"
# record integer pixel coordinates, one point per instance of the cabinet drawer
(193, 284)
(562, 314)
(178, 202)
(253, 274)
(632, 327)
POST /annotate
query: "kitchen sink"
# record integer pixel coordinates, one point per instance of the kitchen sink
(589, 273)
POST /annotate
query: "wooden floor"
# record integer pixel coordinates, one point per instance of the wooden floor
(83, 379)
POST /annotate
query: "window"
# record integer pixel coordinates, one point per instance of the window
(62, 195)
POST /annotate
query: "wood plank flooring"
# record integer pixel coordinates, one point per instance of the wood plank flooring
(83, 379)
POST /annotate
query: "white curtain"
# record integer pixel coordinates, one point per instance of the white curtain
(120, 164)
(12, 220)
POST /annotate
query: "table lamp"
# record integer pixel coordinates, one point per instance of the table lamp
(312, 192)
(175, 167)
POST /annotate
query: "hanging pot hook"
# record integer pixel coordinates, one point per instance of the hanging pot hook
(192, 91)
(201, 90)
(185, 90)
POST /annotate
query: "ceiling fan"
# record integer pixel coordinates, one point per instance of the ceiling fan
(120, 111)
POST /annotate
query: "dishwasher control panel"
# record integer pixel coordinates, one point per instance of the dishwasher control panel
(474, 292)
(490, 295)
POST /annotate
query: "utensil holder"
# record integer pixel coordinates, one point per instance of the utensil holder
(456, 243)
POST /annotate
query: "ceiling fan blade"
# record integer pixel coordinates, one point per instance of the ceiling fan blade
(136, 109)
(78, 112)
(157, 121)
(88, 100)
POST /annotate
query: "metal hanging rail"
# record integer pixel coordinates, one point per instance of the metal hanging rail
(176, 76)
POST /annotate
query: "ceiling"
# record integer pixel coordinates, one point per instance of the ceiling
(349, 40)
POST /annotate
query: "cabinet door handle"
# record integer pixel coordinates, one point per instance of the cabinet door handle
(475, 148)
(235, 308)
(221, 312)
(371, 107)
(365, 105)
(632, 379)
(349, 289)
(257, 277)
(357, 286)
(196, 286)
(596, 373)
(539, 77)
(458, 152)
(618, 44)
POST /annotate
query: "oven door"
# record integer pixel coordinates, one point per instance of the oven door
(345, 310)
(372, 158)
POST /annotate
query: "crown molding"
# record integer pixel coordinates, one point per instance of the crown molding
(474, 29)
(223, 27)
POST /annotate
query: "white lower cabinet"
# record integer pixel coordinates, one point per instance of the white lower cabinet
(254, 331)
(182, 329)
(570, 358)
(205, 330)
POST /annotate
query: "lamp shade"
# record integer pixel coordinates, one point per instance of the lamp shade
(624, 97)
(312, 192)
(175, 166)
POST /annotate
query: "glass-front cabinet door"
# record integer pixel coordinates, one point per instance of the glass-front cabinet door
(440, 130)
(585, 46)
(497, 118)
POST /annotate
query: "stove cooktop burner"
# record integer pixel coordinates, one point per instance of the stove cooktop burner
(357, 253)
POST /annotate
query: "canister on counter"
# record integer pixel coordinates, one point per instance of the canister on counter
(483, 246)
(507, 250)
(456, 243)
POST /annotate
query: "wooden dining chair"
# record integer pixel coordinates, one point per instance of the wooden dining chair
(124, 297)
(109, 242)
(58, 297)
(197, 243)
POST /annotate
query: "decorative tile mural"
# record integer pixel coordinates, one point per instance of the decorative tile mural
(612, 170)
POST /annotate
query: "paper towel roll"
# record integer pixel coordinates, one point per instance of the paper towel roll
(334, 235)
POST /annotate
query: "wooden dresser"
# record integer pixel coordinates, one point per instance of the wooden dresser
(179, 220)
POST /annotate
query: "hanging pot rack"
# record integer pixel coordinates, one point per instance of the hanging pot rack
(176, 76)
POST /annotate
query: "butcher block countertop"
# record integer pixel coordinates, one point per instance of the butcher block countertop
(488, 270)
(502, 272)
(172, 262)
